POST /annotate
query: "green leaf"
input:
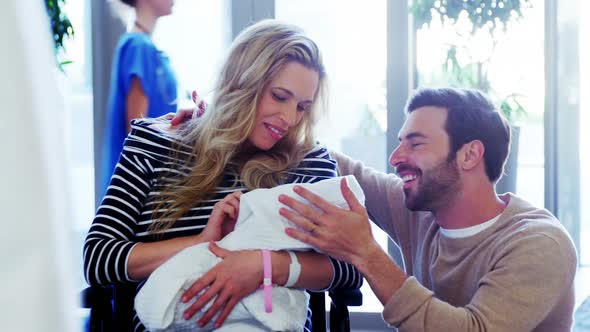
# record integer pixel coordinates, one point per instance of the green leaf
(61, 28)
(482, 14)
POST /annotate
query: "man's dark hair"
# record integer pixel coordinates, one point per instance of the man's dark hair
(471, 116)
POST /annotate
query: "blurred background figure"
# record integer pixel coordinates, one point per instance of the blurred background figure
(36, 279)
(142, 83)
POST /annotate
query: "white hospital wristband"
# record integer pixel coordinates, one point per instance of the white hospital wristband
(294, 270)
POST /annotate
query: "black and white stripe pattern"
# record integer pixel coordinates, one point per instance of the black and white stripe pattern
(125, 214)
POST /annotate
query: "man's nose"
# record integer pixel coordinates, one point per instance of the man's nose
(397, 156)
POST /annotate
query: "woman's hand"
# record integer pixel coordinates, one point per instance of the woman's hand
(237, 276)
(223, 218)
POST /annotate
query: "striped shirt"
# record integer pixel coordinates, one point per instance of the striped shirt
(125, 214)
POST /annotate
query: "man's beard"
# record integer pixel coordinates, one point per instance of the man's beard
(435, 187)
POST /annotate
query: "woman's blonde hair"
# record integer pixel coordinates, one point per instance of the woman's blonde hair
(256, 56)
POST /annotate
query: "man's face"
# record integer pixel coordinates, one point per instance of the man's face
(430, 178)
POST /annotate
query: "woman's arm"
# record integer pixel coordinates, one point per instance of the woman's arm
(240, 273)
(137, 102)
(317, 272)
(146, 257)
(111, 251)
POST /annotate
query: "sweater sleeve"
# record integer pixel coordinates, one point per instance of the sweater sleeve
(111, 236)
(384, 198)
(533, 276)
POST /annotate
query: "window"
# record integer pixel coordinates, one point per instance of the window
(490, 63)
(77, 90)
(357, 119)
(195, 37)
(76, 86)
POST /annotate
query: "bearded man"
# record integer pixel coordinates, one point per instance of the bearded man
(475, 260)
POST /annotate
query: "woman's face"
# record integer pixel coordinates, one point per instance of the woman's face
(285, 101)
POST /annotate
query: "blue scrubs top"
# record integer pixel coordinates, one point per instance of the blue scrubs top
(135, 56)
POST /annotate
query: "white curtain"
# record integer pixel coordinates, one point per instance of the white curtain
(35, 270)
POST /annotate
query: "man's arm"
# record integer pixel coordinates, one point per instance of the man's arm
(531, 282)
(382, 274)
(384, 198)
(528, 278)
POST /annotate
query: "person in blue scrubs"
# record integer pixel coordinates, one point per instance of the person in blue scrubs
(143, 83)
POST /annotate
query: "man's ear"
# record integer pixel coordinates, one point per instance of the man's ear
(471, 155)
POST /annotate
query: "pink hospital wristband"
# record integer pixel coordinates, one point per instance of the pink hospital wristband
(267, 283)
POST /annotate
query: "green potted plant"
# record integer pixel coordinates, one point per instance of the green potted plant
(61, 28)
(462, 68)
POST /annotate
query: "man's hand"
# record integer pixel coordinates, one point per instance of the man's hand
(184, 115)
(180, 117)
(343, 234)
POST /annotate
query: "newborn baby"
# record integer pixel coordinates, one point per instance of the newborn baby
(259, 226)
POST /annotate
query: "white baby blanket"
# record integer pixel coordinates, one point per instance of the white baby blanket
(259, 226)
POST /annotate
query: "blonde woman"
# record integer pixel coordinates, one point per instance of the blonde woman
(172, 191)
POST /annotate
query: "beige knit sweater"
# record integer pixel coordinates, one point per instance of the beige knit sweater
(517, 275)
